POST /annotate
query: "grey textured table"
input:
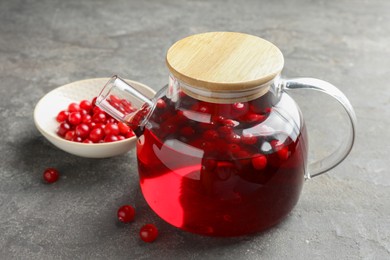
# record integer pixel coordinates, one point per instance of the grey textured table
(45, 44)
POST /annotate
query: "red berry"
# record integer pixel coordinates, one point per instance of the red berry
(148, 233)
(114, 99)
(123, 128)
(225, 130)
(233, 138)
(126, 213)
(110, 138)
(202, 107)
(74, 118)
(239, 109)
(283, 153)
(83, 112)
(217, 119)
(87, 141)
(82, 130)
(243, 154)
(229, 122)
(161, 104)
(50, 175)
(86, 105)
(94, 102)
(187, 131)
(111, 129)
(91, 125)
(239, 106)
(63, 128)
(126, 105)
(129, 134)
(99, 125)
(259, 161)
(111, 120)
(73, 107)
(121, 137)
(62, 116)
(96, 135)
(253, 118)
(69, 135)
(210, 135)
(234, 148)
(77, 139)
(87, 118)
(280, 149)
(249, 139)
(99, 117)
(96, 110)
(207, 146)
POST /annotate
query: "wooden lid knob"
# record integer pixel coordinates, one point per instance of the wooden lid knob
(224, 61)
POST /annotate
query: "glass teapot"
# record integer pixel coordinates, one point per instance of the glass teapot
(222, 149)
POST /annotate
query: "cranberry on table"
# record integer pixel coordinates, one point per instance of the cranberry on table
(126, 213)
(148, 233)
(50, 175)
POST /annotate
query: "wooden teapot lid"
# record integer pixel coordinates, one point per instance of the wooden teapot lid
(224, 61)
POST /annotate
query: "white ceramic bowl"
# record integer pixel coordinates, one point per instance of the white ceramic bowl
(58, 99)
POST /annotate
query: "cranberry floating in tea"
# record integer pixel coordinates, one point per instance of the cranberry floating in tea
(222, 149)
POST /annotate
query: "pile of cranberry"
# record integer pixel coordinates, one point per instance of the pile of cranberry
(85, 122)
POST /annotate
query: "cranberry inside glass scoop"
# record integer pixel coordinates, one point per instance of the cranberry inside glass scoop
(222, 149)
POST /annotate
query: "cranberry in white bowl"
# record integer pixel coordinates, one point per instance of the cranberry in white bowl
(53, 119)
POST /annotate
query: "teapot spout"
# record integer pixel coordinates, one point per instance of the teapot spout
(125, 103)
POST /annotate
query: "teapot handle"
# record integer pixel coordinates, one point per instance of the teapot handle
(332, 160)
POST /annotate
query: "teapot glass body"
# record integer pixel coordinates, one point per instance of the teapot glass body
(222, 169)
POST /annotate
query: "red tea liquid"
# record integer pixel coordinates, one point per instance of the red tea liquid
(209, 184)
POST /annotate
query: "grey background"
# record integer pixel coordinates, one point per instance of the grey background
(45, 44)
